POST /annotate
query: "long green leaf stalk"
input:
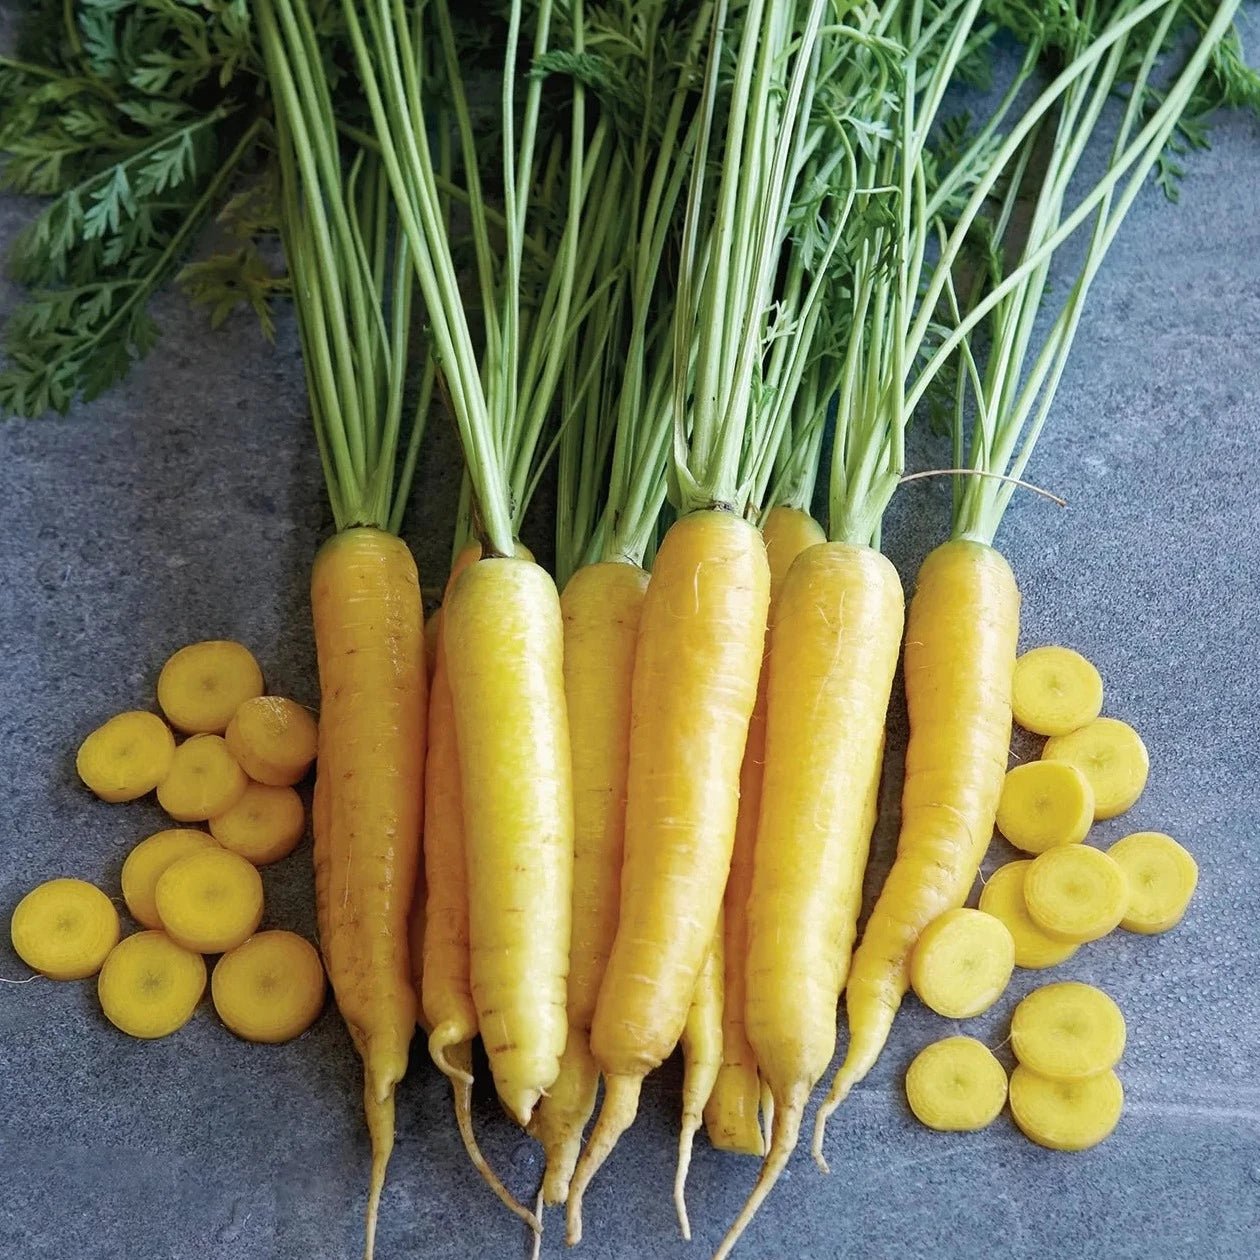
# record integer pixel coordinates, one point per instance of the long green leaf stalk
(352, 278)
(1115, 47)
(628, 400)
(500, 386)
(733, 240)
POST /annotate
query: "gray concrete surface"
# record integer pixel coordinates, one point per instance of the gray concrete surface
(188, 504)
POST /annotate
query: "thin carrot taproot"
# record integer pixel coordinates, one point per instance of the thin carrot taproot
(701, 1044)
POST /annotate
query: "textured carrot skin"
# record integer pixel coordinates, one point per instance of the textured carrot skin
(961, 638)
(601, 606)
(695, 683)
(833, 654)
(448, 1005)
(503, 640)
(369, 638)
(730, 1117)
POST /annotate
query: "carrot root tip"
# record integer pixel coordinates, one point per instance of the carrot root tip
(463, 1120)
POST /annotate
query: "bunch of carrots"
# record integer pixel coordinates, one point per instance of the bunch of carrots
(693, 254)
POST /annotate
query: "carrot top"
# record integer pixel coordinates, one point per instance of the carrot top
(533, 263)
(352, 284)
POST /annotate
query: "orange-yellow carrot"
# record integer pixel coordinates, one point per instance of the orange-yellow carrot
(601, 606)
(450, 1017)
(503, 645)
(834, 644)
(730, 1118)
(369, 637)
(695, 683)
(959, 660)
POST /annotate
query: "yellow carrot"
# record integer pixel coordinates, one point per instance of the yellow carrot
(702, 1057)
(503, 645)
(448, 1004)
(448, 1009)
(695, 683)
(731, 1114)
(601, 607)
(834, 644)
(959, 660)
(369, 637)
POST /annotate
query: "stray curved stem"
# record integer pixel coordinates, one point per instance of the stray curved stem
(980, 472)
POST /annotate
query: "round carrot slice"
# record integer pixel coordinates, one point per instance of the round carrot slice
(269, 989)
(1161, 876)
(1055, 691)
(1076, 892)
(203, 684)
(264, 826)
(273, 739)
(1044, 804)
(1111, 755)
(64, 929)
(1066, 1115)
(210, 901)
(962, 963)
(146, 862)
(1068, 1031)
(956, 1085)
(149, 986)
(1003, 897)
(204, 780)
(127, 757)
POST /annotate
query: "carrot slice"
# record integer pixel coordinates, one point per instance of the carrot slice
(1076, 892)
(1162, 878)
(1003, 897)
(204, 780)
(1111, 755)
(1068, 1031)
(264, 826)
(962, 963)
(146, 863)
(127, 757)
(956, 1085)
(210, 901)
(1066, 1115)
(270, 988)
(1044, 804)
(1055, 691)
(203, 684)
(64, 929)
(149, 986)
(273, 740)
